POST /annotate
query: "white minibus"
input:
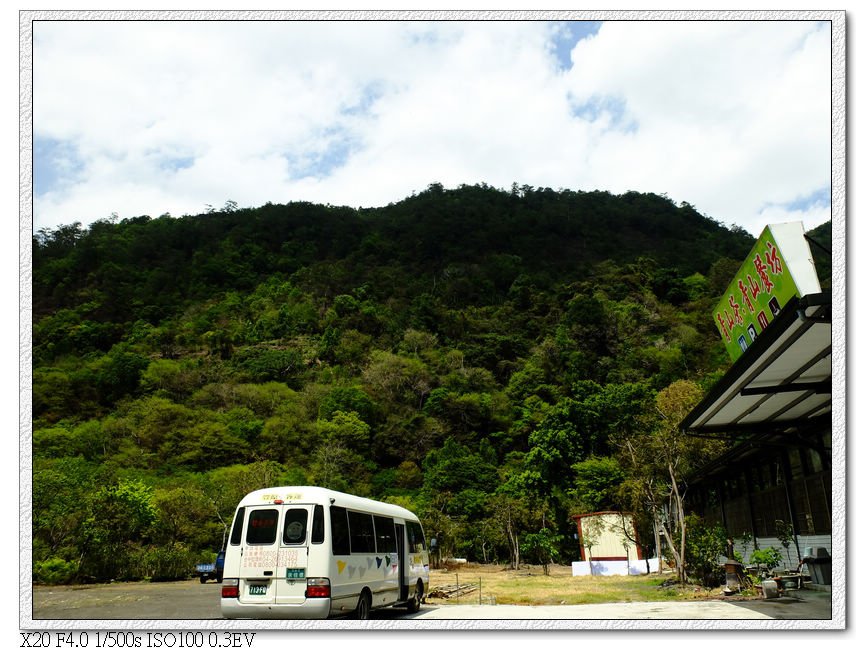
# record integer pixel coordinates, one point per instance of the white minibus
(308, 552)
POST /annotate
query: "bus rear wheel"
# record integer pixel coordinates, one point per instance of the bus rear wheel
(364, 604)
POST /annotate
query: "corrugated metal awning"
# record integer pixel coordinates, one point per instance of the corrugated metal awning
(783, 382)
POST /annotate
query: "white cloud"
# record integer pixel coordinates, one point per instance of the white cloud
(731, 117)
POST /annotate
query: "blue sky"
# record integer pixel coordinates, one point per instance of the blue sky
(55, 163)
(157, 117)
(565, 36)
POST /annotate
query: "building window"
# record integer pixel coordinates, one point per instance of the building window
(796, 470)
(814, 461)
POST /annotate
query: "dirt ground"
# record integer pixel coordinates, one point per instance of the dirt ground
(530, 585)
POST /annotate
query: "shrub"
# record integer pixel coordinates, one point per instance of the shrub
(54, 571)
(544, 545)
(767, 558)
(704, 546)
(161, 563)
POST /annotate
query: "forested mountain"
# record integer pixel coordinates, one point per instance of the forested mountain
(473, 354)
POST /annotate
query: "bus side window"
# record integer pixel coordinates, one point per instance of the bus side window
(362, 532)
(237, 528)
(339, 531)
(415, 537)
(385, 535)
(318, 525)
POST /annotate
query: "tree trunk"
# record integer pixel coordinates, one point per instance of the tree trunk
(677, 558)
(513, 543)
(658, 549)
(516, 551)
(680, 519)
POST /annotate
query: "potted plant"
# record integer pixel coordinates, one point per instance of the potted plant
(747, 539)
(766, 559)
(784, 533)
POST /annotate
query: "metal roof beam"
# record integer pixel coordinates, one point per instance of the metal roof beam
(812, 386)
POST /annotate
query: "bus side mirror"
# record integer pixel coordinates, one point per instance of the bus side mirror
(433, 543)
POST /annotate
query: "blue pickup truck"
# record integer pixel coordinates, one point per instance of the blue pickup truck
(212, 571)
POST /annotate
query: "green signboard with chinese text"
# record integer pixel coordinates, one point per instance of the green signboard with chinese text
(763, 285)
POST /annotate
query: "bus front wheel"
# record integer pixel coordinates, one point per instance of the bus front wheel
(415, 602)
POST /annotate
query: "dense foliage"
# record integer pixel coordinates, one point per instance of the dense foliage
(473, 354)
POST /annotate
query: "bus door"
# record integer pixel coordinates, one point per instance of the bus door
(293, 556)
(274, 554)
(403, 562)
(259, 552)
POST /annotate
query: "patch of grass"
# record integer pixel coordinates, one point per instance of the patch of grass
(529, 586)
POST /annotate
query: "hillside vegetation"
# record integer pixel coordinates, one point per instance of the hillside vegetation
(473, 354)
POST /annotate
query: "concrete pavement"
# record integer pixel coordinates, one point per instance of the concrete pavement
(803, 604)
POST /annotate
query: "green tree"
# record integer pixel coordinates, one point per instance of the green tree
(660, 460)
(455, 468)
(514, 509)
(596, 482)
(184, 514)
(224, 487)
(785, 533)
(544, 545)
(61, 489)
(398, 379)
(408, 475)
(339, 462)
(205, 445)
(171, 378)
(348, 399)
(578, 427)
(554, 447)
(121, 517)
(705, 545)
(345, 430)
(155, 424)
(118, 373)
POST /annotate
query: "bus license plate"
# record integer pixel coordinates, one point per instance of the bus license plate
(295, 574)
(257, 590)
